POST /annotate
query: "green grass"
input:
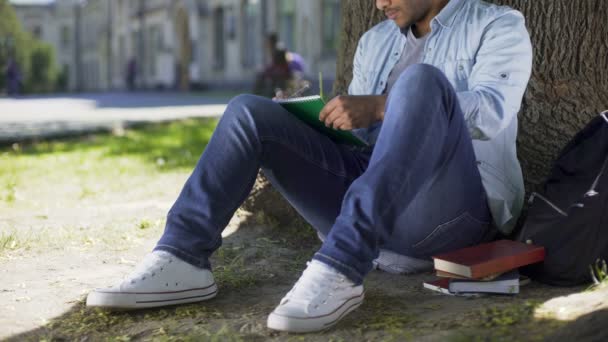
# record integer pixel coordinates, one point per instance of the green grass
(164, 146)
(9, 241)
(599, 273)
(44, 185)
(230, 270)
(9, 191)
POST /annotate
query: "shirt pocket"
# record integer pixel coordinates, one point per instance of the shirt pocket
(458, 72)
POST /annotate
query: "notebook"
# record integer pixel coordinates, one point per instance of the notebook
(489, 258)
(307, 109)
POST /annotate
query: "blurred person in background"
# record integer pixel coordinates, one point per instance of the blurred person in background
(13, 78)
(276, 75)
(285, 70)
(131, 74)
(297, 64)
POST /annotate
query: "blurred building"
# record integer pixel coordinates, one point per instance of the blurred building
(180, 44)
(52, 22)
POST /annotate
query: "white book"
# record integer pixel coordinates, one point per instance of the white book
(441, 285)
(507, 283)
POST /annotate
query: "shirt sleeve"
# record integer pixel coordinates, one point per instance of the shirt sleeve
(357, 84)
(499, 77)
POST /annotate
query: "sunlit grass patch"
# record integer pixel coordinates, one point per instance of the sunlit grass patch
(85, 168)
(599, 274)
(9, 191)
(71, 191)
(9, 241)
(145, 224)
(178, 144)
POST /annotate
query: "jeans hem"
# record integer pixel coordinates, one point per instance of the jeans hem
(200, 263)
(346, 270)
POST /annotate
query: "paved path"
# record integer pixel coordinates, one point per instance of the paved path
(62, 115)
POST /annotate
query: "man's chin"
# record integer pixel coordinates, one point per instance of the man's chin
(402, 25)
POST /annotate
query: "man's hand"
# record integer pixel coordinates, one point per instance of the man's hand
(348, 112)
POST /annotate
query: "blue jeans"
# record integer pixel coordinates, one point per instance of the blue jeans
(417, 193)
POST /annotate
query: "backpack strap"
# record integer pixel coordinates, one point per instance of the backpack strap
(592, 191)
(544, 199)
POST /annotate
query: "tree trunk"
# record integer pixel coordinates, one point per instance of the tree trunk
(569, 83)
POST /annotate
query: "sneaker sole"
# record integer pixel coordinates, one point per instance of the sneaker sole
(313, 324)
(142, 300)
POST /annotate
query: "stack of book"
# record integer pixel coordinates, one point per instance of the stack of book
(487, 268)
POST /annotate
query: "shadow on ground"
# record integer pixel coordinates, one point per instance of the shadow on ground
(258, 264)
(590, 327)
(177, 144)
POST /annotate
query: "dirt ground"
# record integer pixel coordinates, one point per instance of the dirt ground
(65, 230)
(42, 293)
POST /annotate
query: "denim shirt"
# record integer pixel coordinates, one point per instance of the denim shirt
(485, 52)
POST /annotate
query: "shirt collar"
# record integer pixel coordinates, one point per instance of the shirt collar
(448, 14)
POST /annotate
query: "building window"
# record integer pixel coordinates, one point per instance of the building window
(218, 38)
(65, 36)
(287, 23)
(122, 56)
(194, 52)
(154, 48)
(250, 44)
(230, 23)
(37, 32)
(331, 26)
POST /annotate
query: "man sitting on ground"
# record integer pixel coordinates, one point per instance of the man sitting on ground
(436, 90)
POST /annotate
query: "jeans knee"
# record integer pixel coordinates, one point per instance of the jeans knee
(423, 77)
(421, 70)
(251, 113)
(242, 103)
(245, 108)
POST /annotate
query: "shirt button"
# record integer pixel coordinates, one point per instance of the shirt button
(460, 67)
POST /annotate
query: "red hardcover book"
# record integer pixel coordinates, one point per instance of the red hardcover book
(489, 258)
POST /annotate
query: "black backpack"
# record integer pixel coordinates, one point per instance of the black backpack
(570, 217)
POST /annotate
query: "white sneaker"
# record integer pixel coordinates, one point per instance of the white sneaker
(320, 298)
(160, 279)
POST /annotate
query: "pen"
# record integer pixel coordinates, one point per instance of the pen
(299, 92)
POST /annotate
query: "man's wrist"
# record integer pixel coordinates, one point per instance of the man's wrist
(381, 103)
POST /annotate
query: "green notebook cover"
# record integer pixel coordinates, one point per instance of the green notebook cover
(307, 109)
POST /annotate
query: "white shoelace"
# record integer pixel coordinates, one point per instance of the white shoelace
(315, 280)
(152, 263)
